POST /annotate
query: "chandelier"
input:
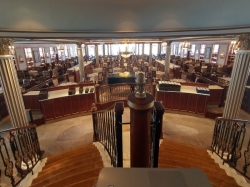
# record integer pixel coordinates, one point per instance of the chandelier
(234, 47)
(185, 45)
(125, 49)
(60, 48)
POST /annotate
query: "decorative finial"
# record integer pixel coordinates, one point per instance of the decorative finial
(140, 86)
(93, 108)
(243, 41)
(4, 45)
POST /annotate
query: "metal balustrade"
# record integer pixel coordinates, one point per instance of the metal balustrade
(155, 133)
(107, 125)
(19, 147)
(112, 92)
(228, 143)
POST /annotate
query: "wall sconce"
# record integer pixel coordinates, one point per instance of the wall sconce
(21, 59)
(222, 55)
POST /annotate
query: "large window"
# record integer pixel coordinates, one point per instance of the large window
(41, 54)
(91, 50)
(100, 50)
(146, 49)
(155, 49)
(163, 48)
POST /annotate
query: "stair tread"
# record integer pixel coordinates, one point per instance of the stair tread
(85, 183)
(50, 182)
(56, 175)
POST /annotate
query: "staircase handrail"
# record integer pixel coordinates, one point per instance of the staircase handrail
(156, 133)
(25, 148)
(107, 125)
(228, 142)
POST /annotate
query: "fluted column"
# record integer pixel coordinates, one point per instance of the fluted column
(167, 58)
(11, 88)
(103, 48)
(86, 50)
(80, 58)
(96, 55)
(239, 76)
(159, 48)
(142, 51)
(150, 54)
(237, 84)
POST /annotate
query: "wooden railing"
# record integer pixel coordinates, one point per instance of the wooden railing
(19, 147)
(228, 143)
(107, 125)
(113, 92)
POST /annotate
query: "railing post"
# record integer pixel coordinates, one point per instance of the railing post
(97, 93)
(93, 109)
(153, 89)
(119, 108)
(158, 130)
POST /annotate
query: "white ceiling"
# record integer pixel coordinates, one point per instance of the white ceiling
(99, 20)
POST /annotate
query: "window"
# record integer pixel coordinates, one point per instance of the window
(163, 48)
(155, 49)
(115, 49)
(140, 49)
(29, 57)
(100, 50)
(91, 50)
(52, 51)
(106, 49)
(215, 48)
(146, 49)
(202, 50)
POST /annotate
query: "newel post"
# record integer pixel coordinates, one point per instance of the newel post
(97, 93)
(140, 104)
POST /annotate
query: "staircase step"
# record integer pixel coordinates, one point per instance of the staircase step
(85, 149)
(65, 172)
(68, 158)
(86, 183)
(66, 181)
(71, 165)
(68, 161)
(179, 155)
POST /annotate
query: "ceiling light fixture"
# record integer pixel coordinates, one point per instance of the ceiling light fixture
(185, 45)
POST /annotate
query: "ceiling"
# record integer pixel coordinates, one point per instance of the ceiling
(72, 21)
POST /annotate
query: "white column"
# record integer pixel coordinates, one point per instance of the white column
(237, 84)
(12, 92)
(142, 51)
(159, 48)
(150, 54)
(96, 55)
(110, 49)
(86, 50)
(103, 48)
(167, 59)
(81, 63)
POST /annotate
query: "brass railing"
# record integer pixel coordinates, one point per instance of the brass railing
(155, 133)
(112, 92)
(107, 125)
(20, 152)
(228, 143)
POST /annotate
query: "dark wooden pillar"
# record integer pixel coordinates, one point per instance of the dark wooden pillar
(140, 119)
(188, 54)
(97, 89)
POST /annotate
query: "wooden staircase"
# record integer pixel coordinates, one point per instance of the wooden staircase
(78, 167)
(179, 155)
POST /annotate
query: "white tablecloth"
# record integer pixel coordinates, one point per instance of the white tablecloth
(93, 77)
(97, 70)
(117, 70)
(34, 73)
(159, 74)
(135, 69)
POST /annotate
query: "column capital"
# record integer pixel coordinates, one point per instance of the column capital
(4, 45)
(169, 43)
(79, 45)
(243, 41)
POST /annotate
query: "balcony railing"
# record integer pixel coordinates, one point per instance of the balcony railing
(229, 141)
(113, 92)
(20, 152)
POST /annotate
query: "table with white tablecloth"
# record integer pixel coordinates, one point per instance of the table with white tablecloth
(159, 74)
(33, 72)
(135, 69)
(97, 70)
(93, 76)
(117, 70)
